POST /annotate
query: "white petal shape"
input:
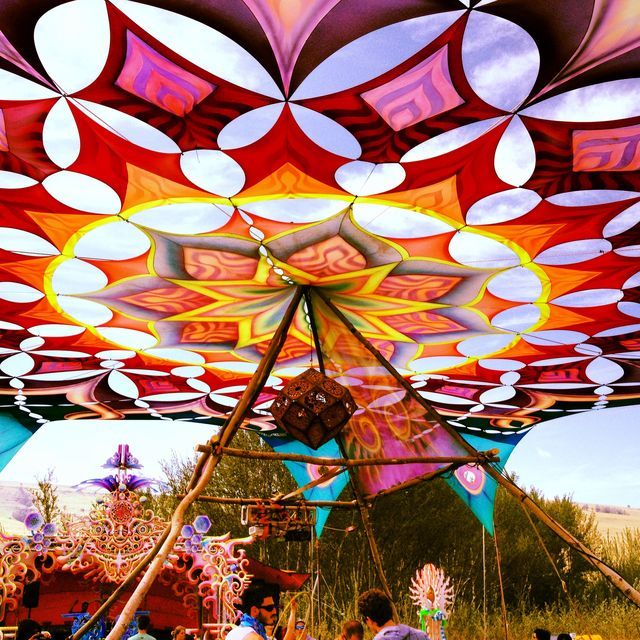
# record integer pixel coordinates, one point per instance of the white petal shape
(25, 243)
(501, 60)
(116, 354)
(373, 54)
(213, 171)
(574, 252)
(73, 42)
(29, 344)
(366, 178)
(624, 221)
(249, 127)
(202, 45)
(117, 240)
(479, 346)
(85, 311)
(588, 349)
(443, 398)
(510, 378)
(130, 128)
(188, 218)
(122, 385)
(188, 372)
(173, 397)
(238, 367)
(517, 319)
(515, 157)
(475, 250)
(394, 222)
(76, 276)
(499, 394)
(111, 364)
(449, 140)
(128, 338)
(12, 180)
(633, 281)
(553, 362)
(589, 197)
(589, 298)
(63, 353)
(613, 100)
(176, 355)
(326, 133)
(13, 87)
(618, 331)
(199, 385)
(82, 192)
(555, 337)
(56, 376)
(629, 252)
(17, 365)
(146, 372)
(9, 326)
(499, 364)
(629, 308)
(17, 292)
(436, 363)
(604, 391)
(296, 209)
(502, 206)
(603, 371)
(60, 135)
(56, 330)
(518, 284)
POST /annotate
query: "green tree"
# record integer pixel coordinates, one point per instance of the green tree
(45, 498)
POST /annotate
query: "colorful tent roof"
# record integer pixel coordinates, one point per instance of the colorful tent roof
(461, 182)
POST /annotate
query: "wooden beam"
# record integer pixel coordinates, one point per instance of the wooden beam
(345, 504)
(613, 576)
(206, 465)
(482, 457)
(314, 330)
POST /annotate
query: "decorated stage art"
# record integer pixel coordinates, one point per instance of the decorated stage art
(432, 592)
(86, 557)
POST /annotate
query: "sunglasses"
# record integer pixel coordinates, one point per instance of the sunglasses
(268, 607)
(299, 626)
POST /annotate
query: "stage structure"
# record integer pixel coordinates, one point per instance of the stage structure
(85, 558)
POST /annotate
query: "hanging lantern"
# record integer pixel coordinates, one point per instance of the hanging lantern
(313, 408)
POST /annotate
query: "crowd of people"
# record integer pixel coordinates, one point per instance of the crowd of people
(258, 611)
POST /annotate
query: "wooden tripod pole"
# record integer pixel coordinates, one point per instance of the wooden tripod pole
(363, 507)
(615, 578)
(205, 467)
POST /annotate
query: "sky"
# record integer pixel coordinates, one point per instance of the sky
(594, 456)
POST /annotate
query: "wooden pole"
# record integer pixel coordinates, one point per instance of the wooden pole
(346, 504)
(503, 605)
(615, 578)
(482, 457)
(206, 465)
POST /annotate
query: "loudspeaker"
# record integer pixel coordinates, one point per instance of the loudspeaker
(31, 595)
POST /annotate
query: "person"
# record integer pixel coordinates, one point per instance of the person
(376, 611)
(31, 630)
(144, 623)
(179, 633)
(563, 636)
(351, 630)
(540, 634)
(301, 630)
(259, 609)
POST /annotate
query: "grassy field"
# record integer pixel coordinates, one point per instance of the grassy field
(613, 523)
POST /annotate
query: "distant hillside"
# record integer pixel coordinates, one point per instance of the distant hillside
(612, 520)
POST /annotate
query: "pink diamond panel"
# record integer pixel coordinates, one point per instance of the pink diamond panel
(154, 78)
(423, 92)
(615, 149)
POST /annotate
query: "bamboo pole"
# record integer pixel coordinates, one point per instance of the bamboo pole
(206, 465)
(346, 504)
(615, 578)
(482, 457)
(503, 604)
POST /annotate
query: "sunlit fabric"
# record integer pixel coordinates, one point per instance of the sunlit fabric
(461, 182)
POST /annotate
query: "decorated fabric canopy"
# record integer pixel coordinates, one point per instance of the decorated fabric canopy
(457, 184)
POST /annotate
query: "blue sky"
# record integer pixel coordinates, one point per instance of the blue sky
(592, 456)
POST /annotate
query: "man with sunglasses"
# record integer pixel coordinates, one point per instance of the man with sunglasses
(259, 609)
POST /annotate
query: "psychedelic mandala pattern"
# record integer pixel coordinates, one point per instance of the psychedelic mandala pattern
(470, 204)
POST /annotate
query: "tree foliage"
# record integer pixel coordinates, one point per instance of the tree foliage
(45, 498)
